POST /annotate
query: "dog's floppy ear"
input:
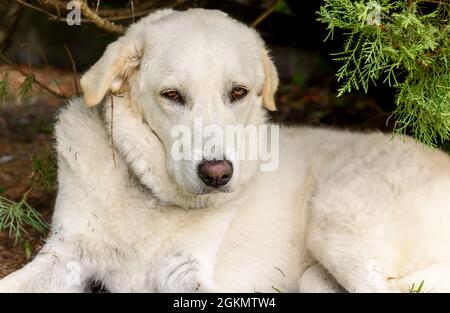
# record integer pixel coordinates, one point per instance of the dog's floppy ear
(119, 60)
(270, 82)
(111, 71)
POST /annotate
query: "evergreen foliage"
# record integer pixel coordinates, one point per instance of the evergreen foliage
(15, 216)
(405, 44)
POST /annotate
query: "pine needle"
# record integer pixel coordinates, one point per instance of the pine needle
(15, 216)
(26, 88)
(5, 90)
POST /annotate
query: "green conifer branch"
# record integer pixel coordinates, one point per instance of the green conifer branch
(405, 44)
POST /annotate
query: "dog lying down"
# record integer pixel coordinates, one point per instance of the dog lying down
(337, 211)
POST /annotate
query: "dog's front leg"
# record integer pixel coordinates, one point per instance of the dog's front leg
(57, 268)
(316, 279)
(189, 266)
(181, 273)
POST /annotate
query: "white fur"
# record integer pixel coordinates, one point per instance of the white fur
(344, 211)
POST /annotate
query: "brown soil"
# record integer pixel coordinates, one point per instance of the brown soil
(26, 131)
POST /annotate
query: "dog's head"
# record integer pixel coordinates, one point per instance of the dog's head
(176, 81)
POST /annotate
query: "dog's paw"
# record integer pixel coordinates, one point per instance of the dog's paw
(180, 274)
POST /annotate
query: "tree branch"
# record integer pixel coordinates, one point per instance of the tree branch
(10, 29)
(99, 21)
(103, 18)
(35, 81)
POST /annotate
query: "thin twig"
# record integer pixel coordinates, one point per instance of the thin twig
(58, 11)
(99, 21)
(28, 47)
(146, 6)
(10, 31)
(130, 16)
(115, 18)
(112, 129)
(41, 85)
(30, 188)
(42, 54)
(44, 58)
(265, 14)
(37, 9)
(74, 69)
(60, 89)
(432, 1)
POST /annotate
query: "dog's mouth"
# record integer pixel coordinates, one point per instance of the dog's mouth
(205, 190)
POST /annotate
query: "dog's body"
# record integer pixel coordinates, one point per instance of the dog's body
(344, 211)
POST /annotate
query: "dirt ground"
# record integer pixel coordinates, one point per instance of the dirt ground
(26, 131)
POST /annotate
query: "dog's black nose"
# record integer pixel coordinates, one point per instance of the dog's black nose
(215, 173)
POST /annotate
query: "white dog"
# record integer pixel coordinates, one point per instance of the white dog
(343, 211)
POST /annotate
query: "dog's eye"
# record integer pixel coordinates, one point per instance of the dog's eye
(173, 95)
(238, 93)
